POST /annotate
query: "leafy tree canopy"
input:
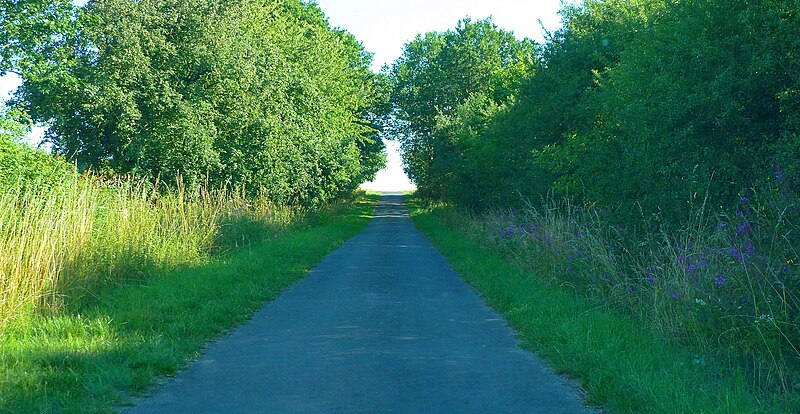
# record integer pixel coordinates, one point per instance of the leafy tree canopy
(437, 73)
(636, 106)
(261, 95)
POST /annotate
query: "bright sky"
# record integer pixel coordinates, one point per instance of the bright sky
(384, 26)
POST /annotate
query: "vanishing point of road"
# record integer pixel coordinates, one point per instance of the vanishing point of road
(382, 325)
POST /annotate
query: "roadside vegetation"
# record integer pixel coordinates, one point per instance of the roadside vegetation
(261, 96)
(96, 354)
(620, 360)
(107, 284)
(60, 242)
(644, 158)
(173, 133)
(640, 170)
(201, 156)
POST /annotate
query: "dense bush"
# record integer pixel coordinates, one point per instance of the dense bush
(264, 96)
(22, 167)
(443, 78)
(637, 106)
(693, 107)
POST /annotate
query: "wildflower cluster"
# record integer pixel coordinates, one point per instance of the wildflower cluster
(725, 284)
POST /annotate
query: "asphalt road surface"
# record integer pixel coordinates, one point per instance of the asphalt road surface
(382, 325)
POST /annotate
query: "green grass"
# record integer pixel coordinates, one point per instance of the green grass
(61, 242)
(93, 355)
(623, 366)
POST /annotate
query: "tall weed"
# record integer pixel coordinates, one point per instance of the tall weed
(63, 242)
(725, 285)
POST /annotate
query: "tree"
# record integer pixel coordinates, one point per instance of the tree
(436, 74)
(264, 96)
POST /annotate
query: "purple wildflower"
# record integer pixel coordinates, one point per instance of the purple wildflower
(744, 199)
(690, 268)
(651, 278)
(750, 249)
(676, 295)
(606, 276)
(722, 225)
(742, 228)
(779, 174)
(735, 254)
(739, 213)
(720, 280)
(508, 232)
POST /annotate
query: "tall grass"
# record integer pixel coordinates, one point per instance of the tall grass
(63, 242)
(726, 286)
(92, 356)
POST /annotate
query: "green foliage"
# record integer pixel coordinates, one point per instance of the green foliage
(623, 366)
(263, 96)
(637, 106)
(692, 108)
(476, 63)
(95, 355)
(670, 115)
(22, 167)
(14, 124)
(33, 34)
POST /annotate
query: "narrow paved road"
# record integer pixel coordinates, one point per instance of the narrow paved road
(382, 325)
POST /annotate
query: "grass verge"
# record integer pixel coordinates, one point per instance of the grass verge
(90, 356)
(622, 366)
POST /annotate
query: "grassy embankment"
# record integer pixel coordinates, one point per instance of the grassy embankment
(625, 352)
(105, 288)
